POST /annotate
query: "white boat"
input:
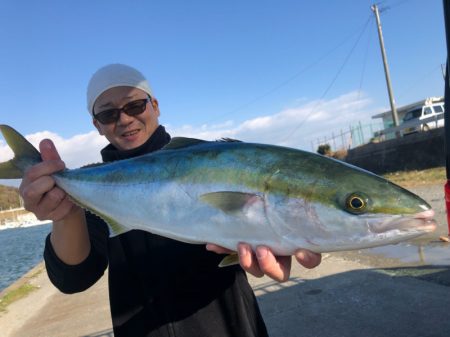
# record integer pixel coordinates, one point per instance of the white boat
(30, 223)
(22, 221)
(7, 224)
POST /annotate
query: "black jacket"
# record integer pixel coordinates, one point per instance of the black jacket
(158, 286)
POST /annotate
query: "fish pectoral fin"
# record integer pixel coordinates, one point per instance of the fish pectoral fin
(229, 260)
(230, 202)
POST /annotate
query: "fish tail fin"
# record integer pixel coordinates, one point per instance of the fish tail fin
(25, 154)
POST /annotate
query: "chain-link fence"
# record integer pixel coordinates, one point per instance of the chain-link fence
(354, 136)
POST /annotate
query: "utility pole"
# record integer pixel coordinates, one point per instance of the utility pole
(386, 68)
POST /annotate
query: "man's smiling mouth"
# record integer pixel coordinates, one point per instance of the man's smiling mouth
(130, 133)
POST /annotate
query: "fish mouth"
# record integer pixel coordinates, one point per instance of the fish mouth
(420, 223)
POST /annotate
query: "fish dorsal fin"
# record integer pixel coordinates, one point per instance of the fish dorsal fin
(230, 202)
(182, 142)
(91, 165)
(229, 140)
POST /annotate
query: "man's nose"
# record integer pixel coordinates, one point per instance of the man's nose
(124, 118)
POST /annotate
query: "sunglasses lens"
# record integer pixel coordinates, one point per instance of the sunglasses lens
(135, 108)
(108, 116)
(131, 109)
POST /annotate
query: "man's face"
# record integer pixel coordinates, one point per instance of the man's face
(128, 132)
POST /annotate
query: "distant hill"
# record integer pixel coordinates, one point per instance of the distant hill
(9, 197)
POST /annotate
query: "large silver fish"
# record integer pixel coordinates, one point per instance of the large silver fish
(229, 192)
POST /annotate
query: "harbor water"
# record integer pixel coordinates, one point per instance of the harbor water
(20, 250)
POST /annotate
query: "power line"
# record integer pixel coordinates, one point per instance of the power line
(332, 82)
(369, 40)
(293, 77)
(398, 3)
(419, 80)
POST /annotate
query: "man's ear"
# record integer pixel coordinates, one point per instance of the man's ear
(155, 106)
(98, 126)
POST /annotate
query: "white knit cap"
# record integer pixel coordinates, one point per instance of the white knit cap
(111, 76)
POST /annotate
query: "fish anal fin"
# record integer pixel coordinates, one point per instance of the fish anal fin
(229, 260)
(230, 202)
(115, 227)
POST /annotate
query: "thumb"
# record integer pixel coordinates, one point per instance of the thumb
(48, 150)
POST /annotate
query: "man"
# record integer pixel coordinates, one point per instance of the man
(157, 286)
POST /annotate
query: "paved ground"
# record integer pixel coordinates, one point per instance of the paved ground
(363, 293)
(340, 298)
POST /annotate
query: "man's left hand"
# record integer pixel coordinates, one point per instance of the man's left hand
(264, 262)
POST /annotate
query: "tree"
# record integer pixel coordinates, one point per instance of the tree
(324, 149)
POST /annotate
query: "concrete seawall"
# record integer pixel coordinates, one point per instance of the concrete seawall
(414, 152)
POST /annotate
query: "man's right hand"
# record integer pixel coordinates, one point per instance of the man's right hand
(38, 189)
(69, 237)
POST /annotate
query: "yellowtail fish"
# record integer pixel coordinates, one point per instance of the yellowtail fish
(226, 192)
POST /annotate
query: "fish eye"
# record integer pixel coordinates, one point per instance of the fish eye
(356, 203)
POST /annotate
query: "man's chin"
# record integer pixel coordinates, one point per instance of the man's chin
(129, 143)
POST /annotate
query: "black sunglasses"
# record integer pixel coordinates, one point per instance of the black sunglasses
(132, 108)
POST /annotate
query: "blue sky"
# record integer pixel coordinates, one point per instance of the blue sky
(282, 72)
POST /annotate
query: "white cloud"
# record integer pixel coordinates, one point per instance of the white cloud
(294, 126)
(79, 150)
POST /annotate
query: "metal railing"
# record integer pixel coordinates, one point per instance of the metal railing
(354, 136)
(360, 134)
